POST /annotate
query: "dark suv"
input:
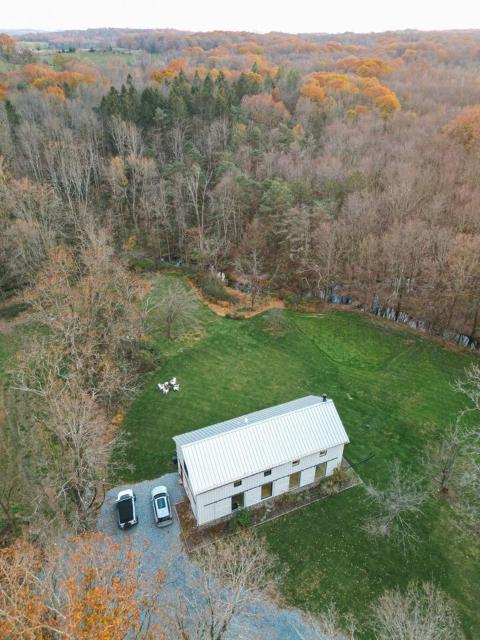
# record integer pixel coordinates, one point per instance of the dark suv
(126, 512)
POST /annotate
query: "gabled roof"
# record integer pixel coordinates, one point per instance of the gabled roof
(237, 448)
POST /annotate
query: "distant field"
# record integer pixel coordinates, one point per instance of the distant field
(102, 57)
(392, 389)
(33, 45)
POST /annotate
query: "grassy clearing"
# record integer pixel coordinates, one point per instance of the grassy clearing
(393, 391)
(130, 58)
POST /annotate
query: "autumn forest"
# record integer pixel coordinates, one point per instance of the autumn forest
(344, 164)
(155, 185)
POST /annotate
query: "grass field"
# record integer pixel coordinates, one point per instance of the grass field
(130, 58)
(393, 390)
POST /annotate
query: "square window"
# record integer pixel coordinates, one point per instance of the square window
(237, 483)
(237, 501)
(294, 480)
(295, 462)
(267, 490)
(268, 472)
(320, 471)
(323, 453)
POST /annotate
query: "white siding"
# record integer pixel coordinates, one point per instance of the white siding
(216, 503)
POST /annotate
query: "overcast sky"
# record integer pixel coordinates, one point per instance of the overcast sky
(294, 16)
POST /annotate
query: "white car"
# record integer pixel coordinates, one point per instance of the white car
(162, 510)
(126, 512)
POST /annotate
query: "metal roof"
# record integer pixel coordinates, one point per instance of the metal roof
(234, 449)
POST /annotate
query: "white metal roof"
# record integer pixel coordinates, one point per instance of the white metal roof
(234, 449)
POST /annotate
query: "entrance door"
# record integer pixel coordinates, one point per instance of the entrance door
(237, 501)
(294, 480)
(320, 471)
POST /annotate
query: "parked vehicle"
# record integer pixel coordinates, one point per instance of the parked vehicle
(126, 512)
(162, 510)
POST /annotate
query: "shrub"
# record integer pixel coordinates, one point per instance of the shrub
(340, 476)
(13, 310)
(212, 288)
(244, 518)
(294, 301)
(141, 263)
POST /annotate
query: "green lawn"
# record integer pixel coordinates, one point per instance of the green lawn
(392, 389)
(131, 58)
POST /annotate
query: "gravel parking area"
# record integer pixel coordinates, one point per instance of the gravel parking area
(164, 550)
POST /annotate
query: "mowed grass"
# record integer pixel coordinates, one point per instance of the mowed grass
(393, 390)
(130, 58)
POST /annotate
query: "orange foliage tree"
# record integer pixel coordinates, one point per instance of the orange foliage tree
(44, 78)
(466, 126)
(322, 86)
(384, 98)
(7, 45)
(170, 71)
(90, 587)
(365, 67)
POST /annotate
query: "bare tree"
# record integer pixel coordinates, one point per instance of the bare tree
(468, 484)
(327, 626)
(250, 258)
(421, 612)
(84, 441)
(443, 456)
(126, 136)
(66, 382)
(89, 302)
(467, 476)
(395, 505)
(197, 183)
(234, 572)
(276, 322)
(469, 385)
(64, 444)
(175, 311)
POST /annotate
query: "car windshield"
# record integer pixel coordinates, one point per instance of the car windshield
(161, 503)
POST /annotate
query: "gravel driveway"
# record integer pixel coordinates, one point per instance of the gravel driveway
(263, 621)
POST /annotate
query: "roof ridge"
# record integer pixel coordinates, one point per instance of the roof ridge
(256, 422)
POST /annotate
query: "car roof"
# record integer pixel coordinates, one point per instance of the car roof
(125, 509)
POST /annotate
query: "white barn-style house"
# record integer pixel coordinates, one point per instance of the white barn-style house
(249, 459)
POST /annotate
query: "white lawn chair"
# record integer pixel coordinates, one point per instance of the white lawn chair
(173, 382)
(163, 388)
(176, 387)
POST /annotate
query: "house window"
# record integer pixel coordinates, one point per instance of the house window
(295, 462)
(294, 480)
(267, 490)
(320, 471)
(323, 453)
(268, 472)
(237, 501)
(237, 483)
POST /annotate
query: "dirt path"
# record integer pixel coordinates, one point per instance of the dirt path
(242, 307)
